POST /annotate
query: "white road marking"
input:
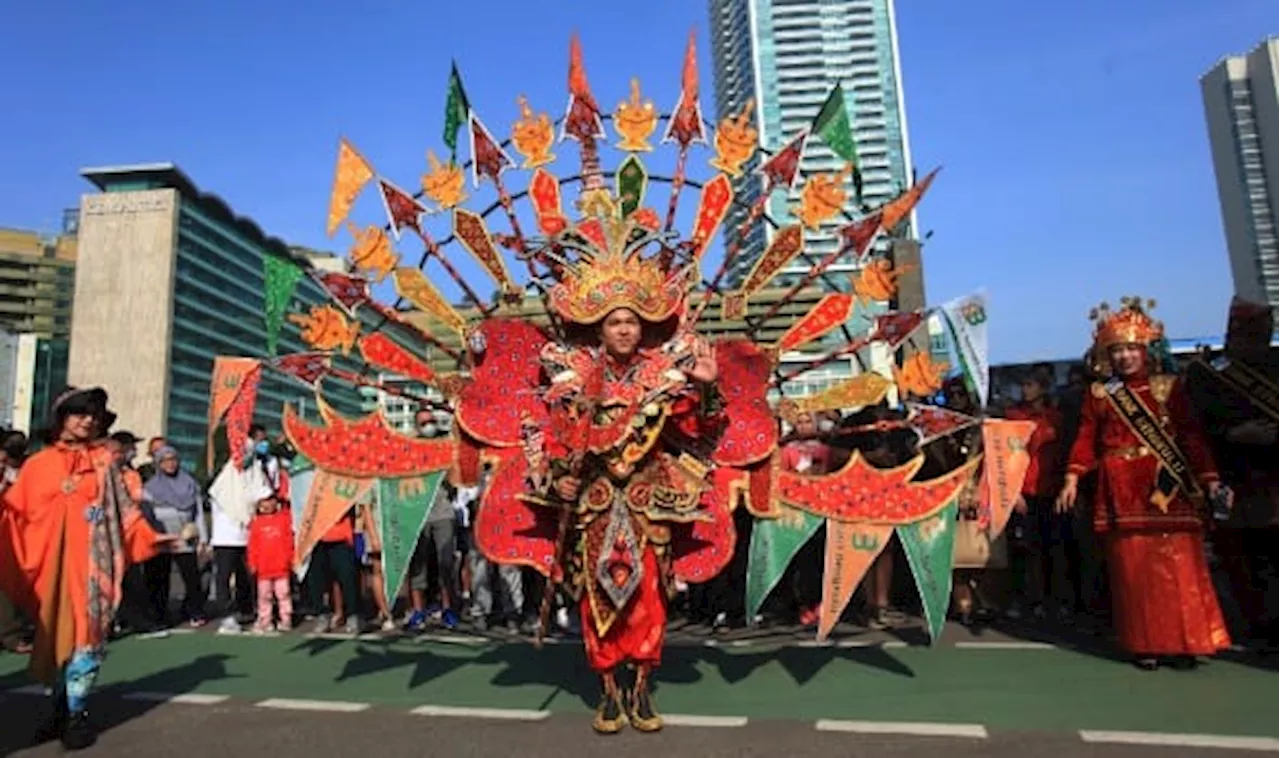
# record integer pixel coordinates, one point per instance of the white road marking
(679, 719)
(453, 639)
(507, 714)
(973, 731)
(1224, 742)
(30, 689)
(331, 706)
(187, 698)
(1006, 645)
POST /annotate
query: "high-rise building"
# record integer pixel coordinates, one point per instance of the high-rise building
(169, 277)
(32, 370)
(787, 56)
(37, 279)
(1240, 106)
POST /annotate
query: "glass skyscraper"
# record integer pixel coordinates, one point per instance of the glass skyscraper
(787, 55)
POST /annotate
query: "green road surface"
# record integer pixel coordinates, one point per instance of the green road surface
(1044, 690)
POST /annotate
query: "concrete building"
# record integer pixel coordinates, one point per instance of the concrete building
(169, 277)
(787, 55)
(37, 280)
(1240, 106)
(32, 370)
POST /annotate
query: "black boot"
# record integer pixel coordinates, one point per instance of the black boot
(53, 727)
(644, 717)
(610, 715)
(79, 733)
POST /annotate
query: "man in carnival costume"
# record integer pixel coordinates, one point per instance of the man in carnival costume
(631, 423)
(68, 530)
(1155, 477)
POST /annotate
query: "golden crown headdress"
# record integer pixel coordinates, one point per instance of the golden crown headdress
(609, 267)
(1130, 325)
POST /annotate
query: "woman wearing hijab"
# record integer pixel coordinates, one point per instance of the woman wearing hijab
(177, 508)
(68, 529)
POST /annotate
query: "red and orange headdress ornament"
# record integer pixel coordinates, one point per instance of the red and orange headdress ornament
(1131, 324)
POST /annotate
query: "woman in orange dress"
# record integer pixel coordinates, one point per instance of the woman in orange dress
(68, 529)
(1138, 430)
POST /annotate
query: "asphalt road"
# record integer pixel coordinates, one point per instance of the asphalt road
(141, 730)
(199, 694)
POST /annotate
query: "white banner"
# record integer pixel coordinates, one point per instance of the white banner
(966, 319)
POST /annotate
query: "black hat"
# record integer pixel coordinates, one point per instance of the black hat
(92, 401)
(125, 438)
(73, 400)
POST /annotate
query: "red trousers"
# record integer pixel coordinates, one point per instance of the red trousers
(1163, 598)
(637, 634)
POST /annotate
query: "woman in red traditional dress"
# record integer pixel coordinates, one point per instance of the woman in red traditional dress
(1154, 475)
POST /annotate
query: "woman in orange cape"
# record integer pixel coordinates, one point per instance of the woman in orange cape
(68, 529)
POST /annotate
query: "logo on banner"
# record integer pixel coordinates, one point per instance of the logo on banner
(973, 313)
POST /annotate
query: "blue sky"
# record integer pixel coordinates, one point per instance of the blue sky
(1076, 160)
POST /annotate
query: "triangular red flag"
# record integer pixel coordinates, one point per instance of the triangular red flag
(933, 421)
(307, 368)
(347, 290)
(781, 170)
(685, 126)
(859, 235)
(894, 328)
(487, 157)
(582, 116)
(403, 210)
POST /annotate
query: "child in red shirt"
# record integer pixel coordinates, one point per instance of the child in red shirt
(270, 559)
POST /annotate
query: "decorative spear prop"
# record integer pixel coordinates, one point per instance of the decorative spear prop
(405, 212)
(582, 122)
(779, 172)
(685, 126)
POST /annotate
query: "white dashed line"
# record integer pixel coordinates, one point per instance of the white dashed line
(1224, 742)
(679, 719)
(1006, 645)
(453, 639)
(973, 731)
(30, 689)
(329, 706)
(186, 698)
(506, 714)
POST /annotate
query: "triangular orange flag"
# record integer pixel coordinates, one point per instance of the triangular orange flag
(350, 176)
(331, 496)
(851, 549)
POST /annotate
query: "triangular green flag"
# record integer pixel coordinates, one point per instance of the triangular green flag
(832, 124)
(774, 542)
(280, 276)
(456, 108)
(930, 545)
(403, 504)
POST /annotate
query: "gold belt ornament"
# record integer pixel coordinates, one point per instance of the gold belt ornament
(1129, 453)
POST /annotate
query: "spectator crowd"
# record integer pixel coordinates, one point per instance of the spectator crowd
(1047, 567)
